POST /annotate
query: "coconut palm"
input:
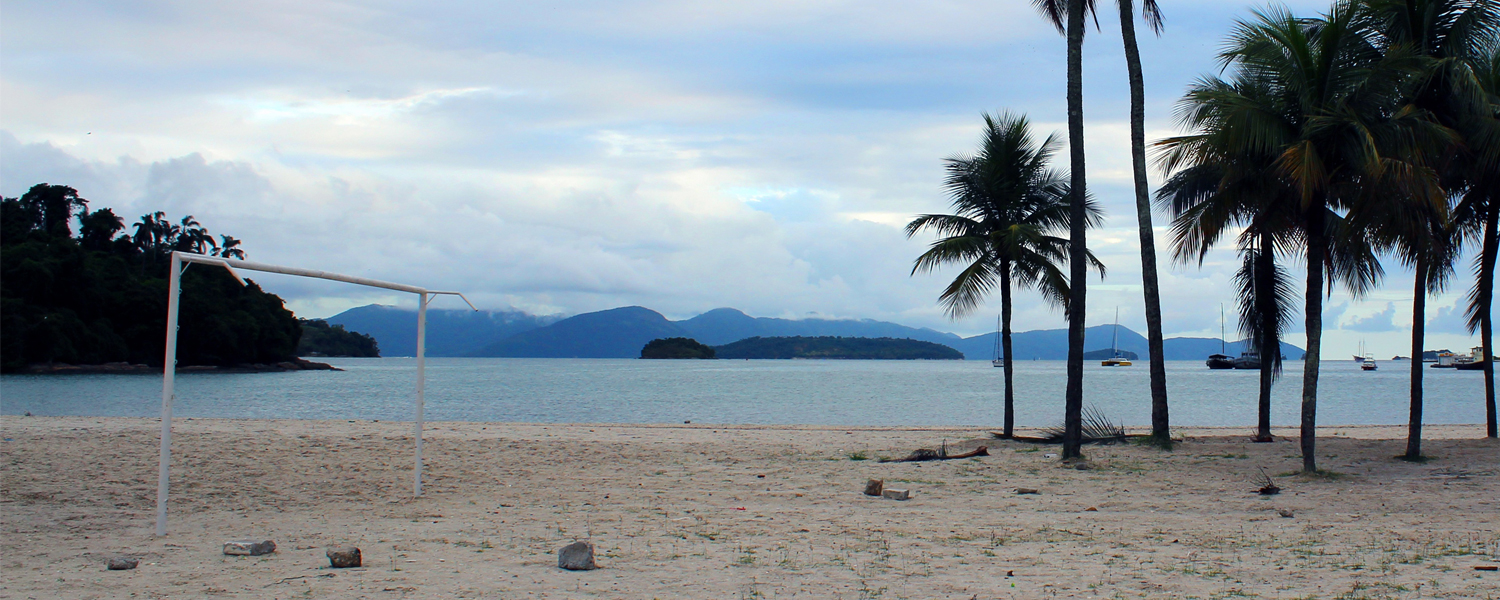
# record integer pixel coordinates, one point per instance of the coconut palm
(1450, 37)
(1008, 205)
(230, 248)
(1478, 212)
(1067, 16)
(1321, 102)
(1160, 421)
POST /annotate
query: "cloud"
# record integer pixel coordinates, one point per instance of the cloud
(1378, 322)
(580, 156)
(1449, 319)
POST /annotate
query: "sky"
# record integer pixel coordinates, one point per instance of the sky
(561, 158)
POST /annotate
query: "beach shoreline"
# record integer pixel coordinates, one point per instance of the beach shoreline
(736, 511)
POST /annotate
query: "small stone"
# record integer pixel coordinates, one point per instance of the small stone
(249, 547)
(897, 494)
(1286, 513)
(1091, 509)
(344, 557)
(1027, 491)
(577, 556)
(122, 563)
(873, 487)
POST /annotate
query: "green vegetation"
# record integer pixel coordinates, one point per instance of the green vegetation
(838, 348)
(677, 347)
(1368, 130)
(321, 339)
(101, 297)
(1009, 205)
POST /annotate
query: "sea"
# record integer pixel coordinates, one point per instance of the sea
(780, 392)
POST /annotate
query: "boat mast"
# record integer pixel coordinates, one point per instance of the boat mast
(1114, 344)
(1222, 347)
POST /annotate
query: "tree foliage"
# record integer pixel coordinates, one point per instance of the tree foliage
(837, 347)
(101, 297)
(321, 339)
(677, 347)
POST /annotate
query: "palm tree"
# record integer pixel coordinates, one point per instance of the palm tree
(1478, 212)
(1160, 421)
(1008, 204)
(1322, 104)
(1451, 38)
(193, 237)
(1056, 12)
(230, 248)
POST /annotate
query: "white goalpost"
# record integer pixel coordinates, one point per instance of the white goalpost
(169, 368)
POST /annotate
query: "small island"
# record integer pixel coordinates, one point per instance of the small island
(846, 348)
(678, 347)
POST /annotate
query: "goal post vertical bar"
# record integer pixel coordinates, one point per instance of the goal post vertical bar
(168, 381)
(421, 387)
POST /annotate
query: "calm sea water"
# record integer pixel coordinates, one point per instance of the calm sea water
(745, 392)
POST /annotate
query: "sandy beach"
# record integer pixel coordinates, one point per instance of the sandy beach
(707, 511)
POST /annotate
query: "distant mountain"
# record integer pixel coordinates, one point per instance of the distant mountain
(724, 325)
(615, 333)
(449, 332)
(621, 332)
(1052, 344)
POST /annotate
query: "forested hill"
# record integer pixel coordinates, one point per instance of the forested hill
(837, 348)
(100, 295)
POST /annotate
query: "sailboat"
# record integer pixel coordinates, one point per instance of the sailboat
(1116, 359)
(1221, 360)
(1363, 355)
(999, 361)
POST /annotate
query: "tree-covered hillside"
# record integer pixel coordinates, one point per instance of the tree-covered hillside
(100, 295)
(837, 347)
(321, 339)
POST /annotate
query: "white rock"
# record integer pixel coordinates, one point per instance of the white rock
(896, 494)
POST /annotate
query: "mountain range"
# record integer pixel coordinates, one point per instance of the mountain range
(621, 332)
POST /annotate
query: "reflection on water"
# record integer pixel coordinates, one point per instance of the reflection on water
(747, 392)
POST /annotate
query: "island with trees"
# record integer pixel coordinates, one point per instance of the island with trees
(677, 347)
(829, 347)
(98, 296)
(321, 339)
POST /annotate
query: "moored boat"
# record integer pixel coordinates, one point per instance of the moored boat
(1368, 365)
(1220, 361)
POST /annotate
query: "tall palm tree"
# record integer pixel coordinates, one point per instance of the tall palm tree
(1008, 205)
(1478, 212)
(1450, 37)
(1072, 12)
(1160, 420)
(1325, 110)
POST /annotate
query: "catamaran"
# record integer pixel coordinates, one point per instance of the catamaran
(1117, 358)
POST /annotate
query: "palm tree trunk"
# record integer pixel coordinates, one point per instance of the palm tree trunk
(1418, 330)
(1010, 370)
(1160, 423)
(1485, 297)
(1316, 257)
(1265, 306)
(1077, 248)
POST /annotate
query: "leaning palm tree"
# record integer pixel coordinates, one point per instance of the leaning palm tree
(1008, 205)
(1072, 12)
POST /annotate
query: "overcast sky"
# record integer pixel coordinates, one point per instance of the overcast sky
(571, 157)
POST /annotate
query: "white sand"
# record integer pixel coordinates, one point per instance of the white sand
(707, 511)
